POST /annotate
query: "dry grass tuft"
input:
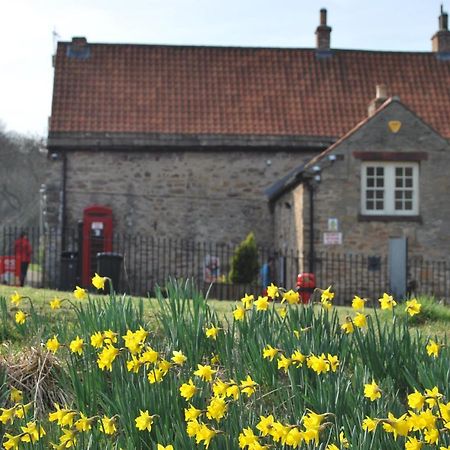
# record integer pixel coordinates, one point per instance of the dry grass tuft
(35, 372)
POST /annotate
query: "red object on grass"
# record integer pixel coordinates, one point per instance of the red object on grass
(306, 283)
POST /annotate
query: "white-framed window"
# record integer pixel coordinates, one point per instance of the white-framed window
(389, 188)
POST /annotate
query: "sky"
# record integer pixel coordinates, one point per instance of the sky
(28, 41)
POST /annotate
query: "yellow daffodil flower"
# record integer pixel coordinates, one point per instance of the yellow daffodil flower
(247, 301)
(387, 302)
(32, 432)
(55, 303)
(20, 317)
(262, 304)
(272, 291)
(53, 344)
(433, 348)
(188, 390)
(358, 303)
(16, 395)
(108, 425)
(76, 346)
(80, 293)
(413, 307)
(239, 313)
(179, 358)
(291, 297)
(212, 332)
(15, 298)
(144, 421)
(372, 391)
(204, 372)
(99, 282)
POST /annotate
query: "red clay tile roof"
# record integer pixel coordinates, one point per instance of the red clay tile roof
(238, 91)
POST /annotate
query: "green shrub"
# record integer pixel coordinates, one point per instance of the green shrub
(245, 265)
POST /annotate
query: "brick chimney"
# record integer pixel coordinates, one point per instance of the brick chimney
(380, 98)
(441, 40)
(323, 32)
(78, 48)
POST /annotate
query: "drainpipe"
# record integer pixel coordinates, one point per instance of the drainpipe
(63, 202)
(311, 226)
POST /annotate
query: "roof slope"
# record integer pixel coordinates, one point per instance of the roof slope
(123, 88)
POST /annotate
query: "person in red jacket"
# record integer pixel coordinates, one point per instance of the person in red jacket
(22, 251)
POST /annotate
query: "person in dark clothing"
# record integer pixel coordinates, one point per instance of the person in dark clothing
(22, 251)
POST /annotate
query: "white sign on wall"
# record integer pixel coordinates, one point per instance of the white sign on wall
(332, 238)
(333, 224)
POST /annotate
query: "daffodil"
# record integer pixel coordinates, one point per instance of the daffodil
(272, 291)
(387, 302)
(358, 303)
(32, 432)
(205, 434)
(247, 438)
(413, 307)
(80, 293)
(97, 339)
(327, 295)
(162, 447)
(12, 442)
(76, 346)
(191, 413)
(99, 282)
(348, 326)
(416, 400)
(262, 304)
(239, 313)
(269, 352)
(265, 424)
(84, 423)
(53, 344)
(216, 409)
(212, 332)
(204, 372)
(248, 386)
(360, 320)
(16, 395)
(20, 317)
(284, 363)
(55, 303)
(413, 444)
(179, 358)
(107, 357)
(247, 301)
(15, 298)
(433, 348)
(291, 297)
(188, 390)
(144, 421)
(108, 425)
(372, 391)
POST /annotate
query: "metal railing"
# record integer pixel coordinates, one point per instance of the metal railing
(149, 261)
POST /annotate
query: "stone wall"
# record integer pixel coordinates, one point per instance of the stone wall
(195, 195)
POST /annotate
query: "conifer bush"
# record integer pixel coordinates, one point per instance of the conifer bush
(245, 265)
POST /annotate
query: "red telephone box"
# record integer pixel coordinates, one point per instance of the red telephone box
(97, 238)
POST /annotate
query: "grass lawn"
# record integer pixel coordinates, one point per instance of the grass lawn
(436, 323)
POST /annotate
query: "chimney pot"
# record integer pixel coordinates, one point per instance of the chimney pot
(323, 16)
(441, 39)
(323, 33)
(381, 91)
(380, 97)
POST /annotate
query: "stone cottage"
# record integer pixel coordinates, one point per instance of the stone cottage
(183, 141)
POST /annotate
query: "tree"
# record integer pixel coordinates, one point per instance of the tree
(245, 265)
